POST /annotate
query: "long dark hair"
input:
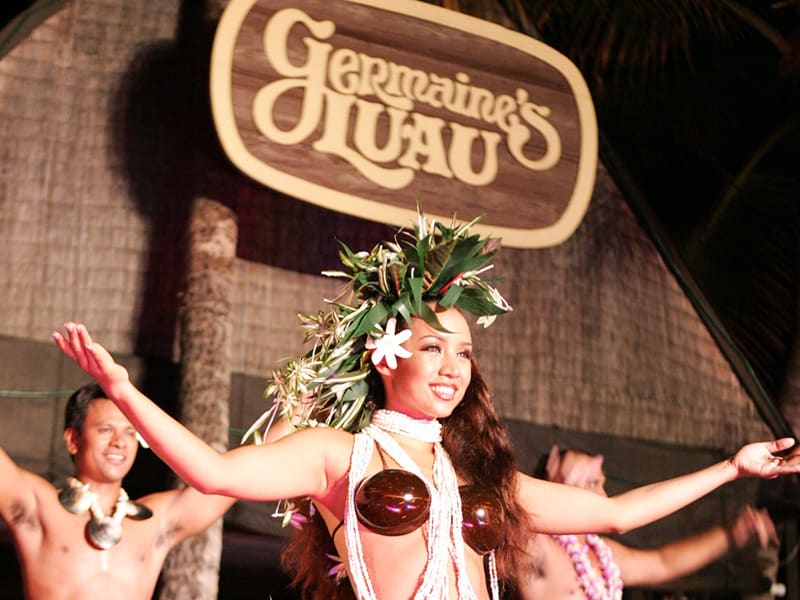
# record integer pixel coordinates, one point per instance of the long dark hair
(481, 451)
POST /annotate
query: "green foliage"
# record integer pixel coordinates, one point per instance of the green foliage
(434, 264)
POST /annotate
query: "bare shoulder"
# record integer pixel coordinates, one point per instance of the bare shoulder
(183, 512)
(530, 488)
(23, 499)
(20, 481)
(36, 482)
(182, 497)
(527, 482)
(28, 504)
(327, 433)
(333, 446)
(157, 500)
(325, 440)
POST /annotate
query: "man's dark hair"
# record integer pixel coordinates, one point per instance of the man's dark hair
(540, 470)
(78, 404)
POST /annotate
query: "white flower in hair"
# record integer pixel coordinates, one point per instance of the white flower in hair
(387, 345)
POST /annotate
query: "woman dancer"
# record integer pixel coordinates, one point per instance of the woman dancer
(409, 473)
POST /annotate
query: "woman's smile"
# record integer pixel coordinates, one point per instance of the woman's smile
(431, 382)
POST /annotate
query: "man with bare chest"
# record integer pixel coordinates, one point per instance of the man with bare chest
(89, 540)
(552, 574)
(596, 568)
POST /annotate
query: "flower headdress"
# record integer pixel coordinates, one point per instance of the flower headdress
(328, 385)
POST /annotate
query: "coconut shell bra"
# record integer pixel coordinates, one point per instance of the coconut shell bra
(396, 502)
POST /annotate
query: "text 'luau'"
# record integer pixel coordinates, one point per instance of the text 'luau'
(334, 84)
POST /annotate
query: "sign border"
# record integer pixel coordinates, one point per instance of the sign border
(220, 81)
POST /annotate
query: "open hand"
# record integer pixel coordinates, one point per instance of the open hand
(91, 357)
(763, 459)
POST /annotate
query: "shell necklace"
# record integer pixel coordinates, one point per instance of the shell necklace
(102, 531)
(596, 586)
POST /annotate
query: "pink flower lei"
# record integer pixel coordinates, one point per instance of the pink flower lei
(596, 586)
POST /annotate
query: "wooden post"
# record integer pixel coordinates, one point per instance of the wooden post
(192, 568)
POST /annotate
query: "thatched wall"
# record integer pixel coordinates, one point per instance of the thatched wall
(93, 197)
(603, 339)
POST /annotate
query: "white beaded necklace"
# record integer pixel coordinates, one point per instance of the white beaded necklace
(422, 430)
(444, 520)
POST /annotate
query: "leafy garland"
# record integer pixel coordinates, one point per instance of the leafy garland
(328, 385)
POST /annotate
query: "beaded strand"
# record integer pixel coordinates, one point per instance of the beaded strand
(444, 520)
(596, 586)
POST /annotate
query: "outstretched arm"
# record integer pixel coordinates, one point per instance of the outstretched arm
(17, 496)
(676, 559)
(297, 465)
(557, 508)
(186, 512)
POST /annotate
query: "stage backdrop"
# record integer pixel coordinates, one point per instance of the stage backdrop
(94, 193)
(100, 108)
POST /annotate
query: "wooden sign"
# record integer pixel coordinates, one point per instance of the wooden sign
(368, 107)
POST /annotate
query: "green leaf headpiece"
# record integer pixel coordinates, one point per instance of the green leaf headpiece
(328, 386)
